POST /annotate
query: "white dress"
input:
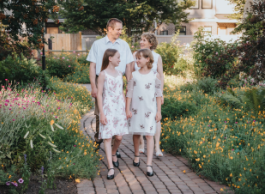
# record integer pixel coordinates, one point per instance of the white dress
(154, 68)
(143, 89)
(113, 108)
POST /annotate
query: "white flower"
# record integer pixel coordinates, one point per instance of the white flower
(51, 144)
(60, 127)
(50, 138)
(42, 136)
(52, 128)
(31, 143)
(26, 135)
(56, 150)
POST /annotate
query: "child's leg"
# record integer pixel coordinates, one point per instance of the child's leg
(141, 146)
(116, 144)
(150, 151)
(157, 137)
(107, 145)
(136, 142)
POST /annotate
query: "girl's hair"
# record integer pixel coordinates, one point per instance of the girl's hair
(108, 53)
(151, 38)
(146, 53)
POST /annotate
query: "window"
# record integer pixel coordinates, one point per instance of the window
(164, 32)
(207, 30)
(207, 4)
(182, 30)
(196, 6)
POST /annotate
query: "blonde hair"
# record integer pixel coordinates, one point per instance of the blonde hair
(151, 38)
(146, 53)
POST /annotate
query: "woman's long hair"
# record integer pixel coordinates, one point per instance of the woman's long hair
(108, 53)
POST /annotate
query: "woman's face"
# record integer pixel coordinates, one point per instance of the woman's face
(144, 43)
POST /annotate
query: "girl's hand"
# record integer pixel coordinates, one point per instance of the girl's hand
(128, 114)
(103, 119)
(158, 116)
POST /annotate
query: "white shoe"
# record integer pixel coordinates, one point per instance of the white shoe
(159, 154)
(141, 151)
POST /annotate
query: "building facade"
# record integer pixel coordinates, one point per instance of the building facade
(209, 14)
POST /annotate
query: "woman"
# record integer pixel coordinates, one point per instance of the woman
(149, 41)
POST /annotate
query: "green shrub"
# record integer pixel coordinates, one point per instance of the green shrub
(80, 75)
(224, 138)
(40, 130)
(169, 53)
(62, 65)
(173, 108)
(208, 85)
(211, 56)
(82, 60)
(19, 69)
(78, 94)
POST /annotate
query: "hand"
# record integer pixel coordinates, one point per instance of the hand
(158, 116)
(128, 114)
(94, 92)
(162, 100)
(103, 119)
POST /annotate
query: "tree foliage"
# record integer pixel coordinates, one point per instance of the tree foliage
(239, 9)
(135, 14)
(30, 13)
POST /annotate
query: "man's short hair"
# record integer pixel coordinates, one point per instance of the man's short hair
(111, 23)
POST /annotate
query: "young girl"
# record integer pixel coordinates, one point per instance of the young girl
(144, 91)
(111, 103)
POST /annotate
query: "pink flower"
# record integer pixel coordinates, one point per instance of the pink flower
(15, 184)
(8, 183)
(132, 46)
(6, 79)
(63, 58)
(20, 180)
(73, 51)
(74, 145)
(13, 120)
(232, 149)
(69, 66)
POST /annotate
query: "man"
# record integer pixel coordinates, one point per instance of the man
(95, 56)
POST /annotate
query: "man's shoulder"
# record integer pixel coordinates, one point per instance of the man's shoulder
(99, 41)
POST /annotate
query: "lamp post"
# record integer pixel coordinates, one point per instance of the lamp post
(43, 41)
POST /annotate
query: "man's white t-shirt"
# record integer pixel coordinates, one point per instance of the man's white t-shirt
(100, 46)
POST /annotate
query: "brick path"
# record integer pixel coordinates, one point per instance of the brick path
(168, 178)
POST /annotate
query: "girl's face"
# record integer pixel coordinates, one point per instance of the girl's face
(144, 43)
(141, 61)
(115, 60)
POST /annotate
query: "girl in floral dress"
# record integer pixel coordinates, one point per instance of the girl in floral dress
(111, 103)
(143, 105)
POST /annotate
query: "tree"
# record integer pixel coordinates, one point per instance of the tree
(135, 14)
(32, 13)
(239, 9)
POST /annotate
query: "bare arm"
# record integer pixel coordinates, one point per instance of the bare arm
(92, 77)
(101, 80)
(161, 74)
(128, 105)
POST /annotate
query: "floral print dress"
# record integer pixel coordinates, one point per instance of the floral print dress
(113, 108)
(143, 89)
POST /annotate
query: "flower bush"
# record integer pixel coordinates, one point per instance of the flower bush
(223, 139)
(40, 132)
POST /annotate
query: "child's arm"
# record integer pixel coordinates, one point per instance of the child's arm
(129, 98)
(160, 71)
(158, 94)
(101, 80)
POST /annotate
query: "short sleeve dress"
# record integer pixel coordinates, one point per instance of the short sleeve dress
(113, 108)
(143, 89)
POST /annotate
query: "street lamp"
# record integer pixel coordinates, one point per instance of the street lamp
(43, 41)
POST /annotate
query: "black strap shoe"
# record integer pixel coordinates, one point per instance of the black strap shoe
(115, 164)
(118, 154)
(150, 173)
(109, 177)
(136, 164)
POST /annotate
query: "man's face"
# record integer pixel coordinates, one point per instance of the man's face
(116, 32)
